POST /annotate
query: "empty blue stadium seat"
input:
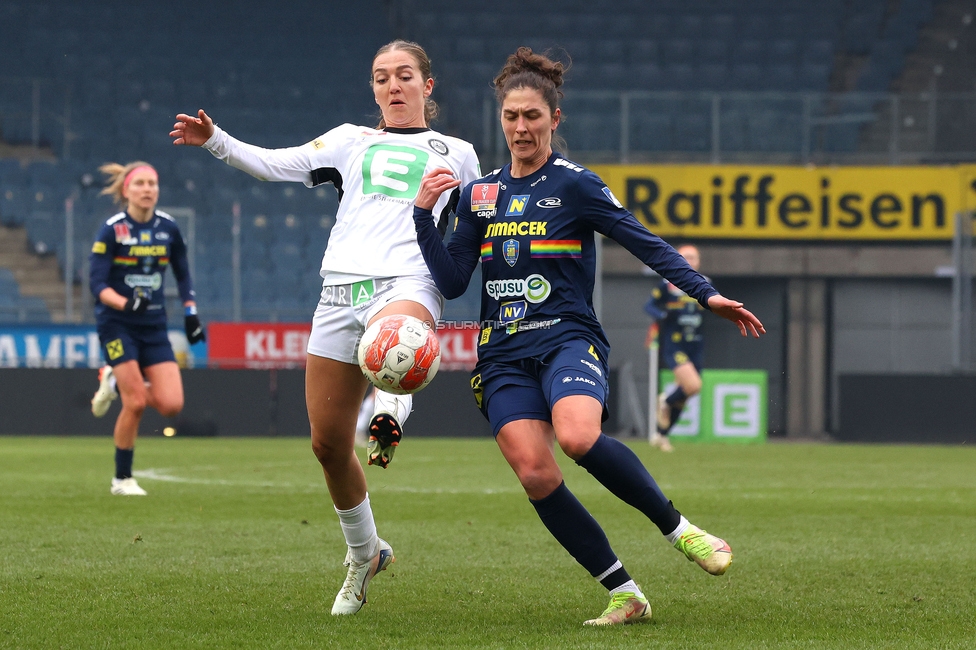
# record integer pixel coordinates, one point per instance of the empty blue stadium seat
(681, 76)
(678, 51)
(814, 76)
(650, 131)
(713, 76)
(713, 51)
(643, 51)
(746, 76)
(748, 52)
(719, 27)
(692, 132)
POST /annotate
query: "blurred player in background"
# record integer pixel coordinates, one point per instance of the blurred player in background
(679, 318)
(372, 268)
(128, 263)
(542, 366)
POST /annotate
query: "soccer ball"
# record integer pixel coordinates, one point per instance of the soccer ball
(399, 354)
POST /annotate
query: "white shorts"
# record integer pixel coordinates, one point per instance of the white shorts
(344, 310)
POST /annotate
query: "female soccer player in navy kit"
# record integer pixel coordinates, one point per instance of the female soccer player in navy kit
(128, 262)
(542, 357)
(679, 319)
(372, 268)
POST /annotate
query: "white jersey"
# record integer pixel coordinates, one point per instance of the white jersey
(378, 175)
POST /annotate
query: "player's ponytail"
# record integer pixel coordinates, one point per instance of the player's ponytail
(117, 175)
(528, 69)
(423, 65)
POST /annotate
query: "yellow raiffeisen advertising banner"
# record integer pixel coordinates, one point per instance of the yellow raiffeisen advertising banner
(802, 203)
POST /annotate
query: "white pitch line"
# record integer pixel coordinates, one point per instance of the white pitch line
(164, 474)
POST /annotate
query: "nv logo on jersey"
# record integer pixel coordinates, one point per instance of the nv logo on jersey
(517, 205)
(511, 312)
(145, 237)
(393, 171)
(510, 251)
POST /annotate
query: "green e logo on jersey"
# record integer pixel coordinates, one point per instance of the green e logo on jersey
(394, 171)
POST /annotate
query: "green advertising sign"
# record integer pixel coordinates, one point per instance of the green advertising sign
(730, 408)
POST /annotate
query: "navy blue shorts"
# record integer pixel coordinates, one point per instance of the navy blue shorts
(527, 389)
(675, 354)
(146, 345)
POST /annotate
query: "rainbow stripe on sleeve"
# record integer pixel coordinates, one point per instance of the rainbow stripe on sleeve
(486, 252)
(556, 248)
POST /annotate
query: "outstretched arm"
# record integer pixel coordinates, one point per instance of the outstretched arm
(735, 312)
(192, 131)
(289, 164)
(660, 256)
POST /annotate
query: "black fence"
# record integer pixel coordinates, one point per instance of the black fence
(218, 403)
(908, 408)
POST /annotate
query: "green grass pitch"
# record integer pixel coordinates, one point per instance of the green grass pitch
(237, 546)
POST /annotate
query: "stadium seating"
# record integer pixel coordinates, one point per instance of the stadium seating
(269, 83)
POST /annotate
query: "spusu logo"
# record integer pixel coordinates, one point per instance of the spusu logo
(534, 288)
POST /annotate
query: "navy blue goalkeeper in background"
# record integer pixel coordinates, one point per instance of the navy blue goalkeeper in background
(542, 356)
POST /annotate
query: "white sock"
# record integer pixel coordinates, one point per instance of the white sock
(630, 586)
(676, 533)
(359, 529)
(399, 406)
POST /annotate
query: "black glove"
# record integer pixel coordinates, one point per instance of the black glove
(194, 330)
(137, 304)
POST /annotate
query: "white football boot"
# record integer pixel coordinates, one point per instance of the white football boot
(352, 596)
(127, 487)
(105, 394)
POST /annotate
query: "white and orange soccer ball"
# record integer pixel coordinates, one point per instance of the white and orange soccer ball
(399, 354)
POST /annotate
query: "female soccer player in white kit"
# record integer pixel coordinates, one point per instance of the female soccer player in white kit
(372, 268)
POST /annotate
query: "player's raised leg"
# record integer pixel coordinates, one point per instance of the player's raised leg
(527, 446)
(391, 411)
(106, 393)
(619, 470)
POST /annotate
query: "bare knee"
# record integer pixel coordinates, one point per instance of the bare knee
(539, 479)
(577, 446)
(171, 408)
(329, 449)
(135, 403)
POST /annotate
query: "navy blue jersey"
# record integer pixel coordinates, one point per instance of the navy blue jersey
(129, 256)
(679, 316)
(534, 237)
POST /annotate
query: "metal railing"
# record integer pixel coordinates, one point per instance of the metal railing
(35, 112)
(759, 127)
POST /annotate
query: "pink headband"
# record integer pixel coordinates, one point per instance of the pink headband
(128, 177)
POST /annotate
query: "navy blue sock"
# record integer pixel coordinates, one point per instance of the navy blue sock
(677, 396)
(675, 415)
(581, 535)
(620, 470)
(676, 401)
(123, 462)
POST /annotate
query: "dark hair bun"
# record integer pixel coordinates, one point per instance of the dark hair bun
(526, 61)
